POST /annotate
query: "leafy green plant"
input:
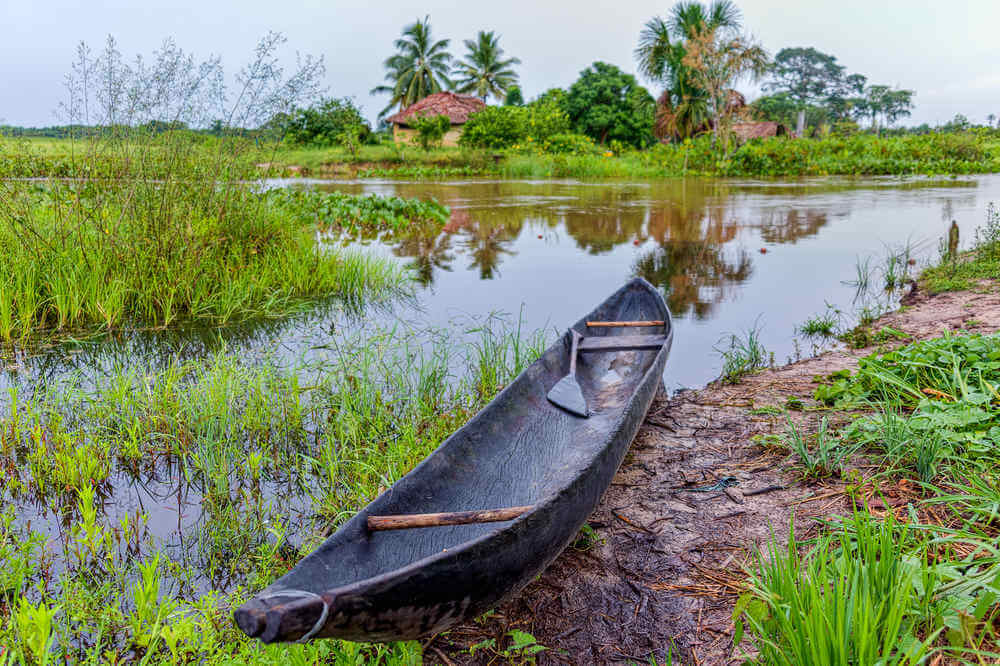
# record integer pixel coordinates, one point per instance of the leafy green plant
(825, 458)
(430, 130)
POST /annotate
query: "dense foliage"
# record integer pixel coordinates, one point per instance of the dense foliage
(327, 122)
(497, 127)
(608, 105)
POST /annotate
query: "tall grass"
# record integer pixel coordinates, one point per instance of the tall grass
(156, 224)
(857, 597)
(246, 445)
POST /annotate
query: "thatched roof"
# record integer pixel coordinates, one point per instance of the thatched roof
(456, 107)
(758, 130)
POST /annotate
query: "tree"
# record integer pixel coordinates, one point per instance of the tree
(990, 118)
(607, 104)
(418, 69)
(817, 84)
(717, 60)
(484, 71)
(886, 102)
(329, 121)
(806, 75)
(514, 97)
(682, 109)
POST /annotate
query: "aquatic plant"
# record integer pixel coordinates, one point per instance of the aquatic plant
(262, 459)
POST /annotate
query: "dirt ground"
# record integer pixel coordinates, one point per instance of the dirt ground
(663, 566)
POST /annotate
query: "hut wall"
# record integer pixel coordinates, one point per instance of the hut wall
(408, 135)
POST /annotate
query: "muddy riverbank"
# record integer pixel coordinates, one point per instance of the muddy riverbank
(662, 563)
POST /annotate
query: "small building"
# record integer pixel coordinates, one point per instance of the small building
(456, 107)
(758, 130)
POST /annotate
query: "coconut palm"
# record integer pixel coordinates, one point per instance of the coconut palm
(418, 69)
(683, 108)
(484, 71)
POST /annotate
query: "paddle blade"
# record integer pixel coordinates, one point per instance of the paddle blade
(567, 394)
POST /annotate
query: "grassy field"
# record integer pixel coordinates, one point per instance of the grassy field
(867, 155)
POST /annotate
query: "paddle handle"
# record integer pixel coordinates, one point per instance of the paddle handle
(609, 324)
(572, 351)
(407, 521)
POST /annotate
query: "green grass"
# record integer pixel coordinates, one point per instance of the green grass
(881, 590)
(982, 262)
(861, 155)
(173, 232)
(251, 441)
(742, 355)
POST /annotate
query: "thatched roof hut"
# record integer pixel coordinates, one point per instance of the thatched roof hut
(456, 107)
(758, 130)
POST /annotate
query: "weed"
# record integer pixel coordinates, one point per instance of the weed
(744, 355)
(825, 458)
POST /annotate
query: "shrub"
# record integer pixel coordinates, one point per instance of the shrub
(495, 127)
(430, 130)
(546, 118)
(573, 144)
(326, 123)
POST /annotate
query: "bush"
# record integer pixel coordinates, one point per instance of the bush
(546, 118)
(569, 144)
(326, 123)
(495, 127)
(430, 130)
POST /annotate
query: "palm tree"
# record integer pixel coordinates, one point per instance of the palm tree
(418, 69)
(683, 107)
(484, 72)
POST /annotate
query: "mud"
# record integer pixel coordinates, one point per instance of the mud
(664, 562)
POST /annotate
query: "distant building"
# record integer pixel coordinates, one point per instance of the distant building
(758, 130)
(456, 107)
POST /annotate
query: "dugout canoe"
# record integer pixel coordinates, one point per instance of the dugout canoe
(520, 450)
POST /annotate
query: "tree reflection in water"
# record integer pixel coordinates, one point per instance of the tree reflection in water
(694, 225)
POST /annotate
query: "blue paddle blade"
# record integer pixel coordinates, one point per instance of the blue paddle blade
(567, 394)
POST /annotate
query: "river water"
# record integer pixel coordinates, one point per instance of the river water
(728, 255)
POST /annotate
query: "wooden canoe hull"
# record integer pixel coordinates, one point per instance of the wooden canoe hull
(520, 450)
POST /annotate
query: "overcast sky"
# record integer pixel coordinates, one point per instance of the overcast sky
(948, 52)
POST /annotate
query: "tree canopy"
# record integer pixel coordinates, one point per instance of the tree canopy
(484, 71)
(804, 79)
(683, 107)
(419, 68)
(607, 105)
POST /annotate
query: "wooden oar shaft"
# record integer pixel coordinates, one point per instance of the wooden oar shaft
(609, 324)
(406, 521)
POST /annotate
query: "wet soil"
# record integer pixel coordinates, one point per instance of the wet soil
(664, 562)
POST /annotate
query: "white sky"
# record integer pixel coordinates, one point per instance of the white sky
(948, 52)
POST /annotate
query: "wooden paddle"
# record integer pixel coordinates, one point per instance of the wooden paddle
(408, 520)
(567, 392)
(610, 324)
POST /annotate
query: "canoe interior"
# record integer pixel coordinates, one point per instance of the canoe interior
(520, 450)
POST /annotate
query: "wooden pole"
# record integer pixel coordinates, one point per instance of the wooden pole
(406, 521)
(609, 324)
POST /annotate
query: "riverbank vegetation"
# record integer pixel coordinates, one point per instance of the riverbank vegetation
(143, 228)
(911, 574)
(262, 461)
